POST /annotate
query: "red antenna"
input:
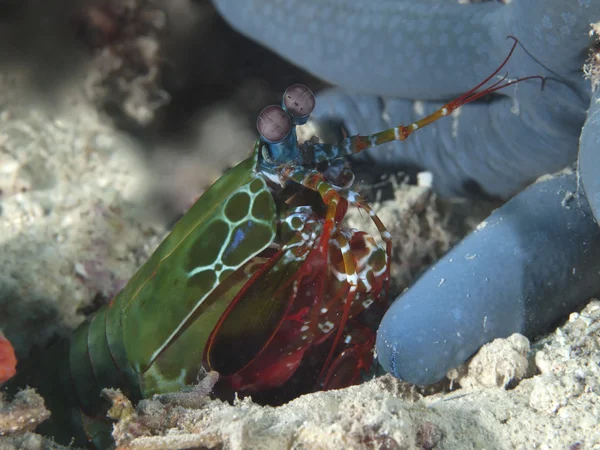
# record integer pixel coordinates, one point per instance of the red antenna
(399, 133)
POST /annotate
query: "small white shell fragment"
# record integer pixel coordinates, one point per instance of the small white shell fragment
(425, 179)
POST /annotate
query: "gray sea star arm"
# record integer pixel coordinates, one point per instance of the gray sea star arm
(423, 50)
(589, 156)
(533, 261)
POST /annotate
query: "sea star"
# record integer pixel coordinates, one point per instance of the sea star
(535, 258)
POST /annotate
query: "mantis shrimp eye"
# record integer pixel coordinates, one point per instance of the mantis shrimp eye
(273, 124)
(299, 101)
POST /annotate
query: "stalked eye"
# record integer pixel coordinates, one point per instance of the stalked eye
(273, 124)
(299, 100)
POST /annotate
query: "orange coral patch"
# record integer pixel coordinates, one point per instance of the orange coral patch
(8, 360)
